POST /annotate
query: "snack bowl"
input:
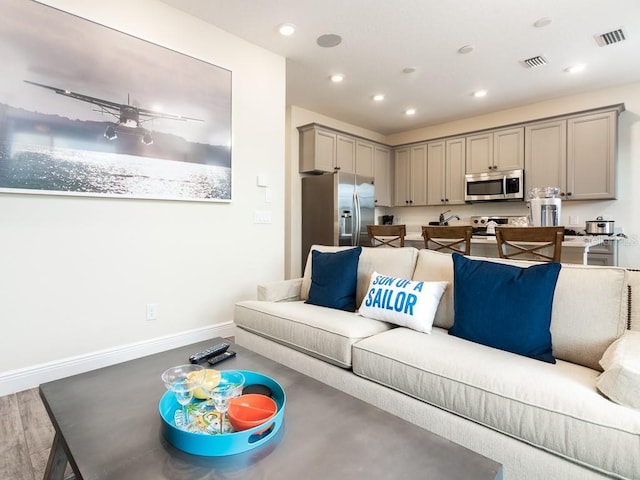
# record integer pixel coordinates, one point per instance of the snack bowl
(251, 410)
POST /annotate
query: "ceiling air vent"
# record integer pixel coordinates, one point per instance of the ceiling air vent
(615, 36)
(534, 62)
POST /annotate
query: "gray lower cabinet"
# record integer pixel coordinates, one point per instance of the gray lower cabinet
(605, 255)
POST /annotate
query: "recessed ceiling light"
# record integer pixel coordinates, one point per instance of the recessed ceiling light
(329, 40)
(379, 97)
(410, 111)
(575, 68)
(466, 49)
(542, 22)
(480, 93)
(287, 29)
(408, 69)
(337, 77)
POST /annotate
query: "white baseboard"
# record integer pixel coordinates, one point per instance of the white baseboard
(22, 379)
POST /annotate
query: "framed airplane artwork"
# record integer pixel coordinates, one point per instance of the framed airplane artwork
(88, 110)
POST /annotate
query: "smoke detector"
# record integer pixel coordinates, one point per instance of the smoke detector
(609, 38)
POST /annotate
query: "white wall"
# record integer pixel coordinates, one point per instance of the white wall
(623, 210)
(76, 273)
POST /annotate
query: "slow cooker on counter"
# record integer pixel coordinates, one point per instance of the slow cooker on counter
(599, 226)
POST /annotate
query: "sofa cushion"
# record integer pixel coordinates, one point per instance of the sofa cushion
(396, 262)
(504, 306)
(555, 407)
(402, 302)
(620, 380)
(589, 305)
(333, 283)
(322, 332)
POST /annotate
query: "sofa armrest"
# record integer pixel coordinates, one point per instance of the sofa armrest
(280, 291)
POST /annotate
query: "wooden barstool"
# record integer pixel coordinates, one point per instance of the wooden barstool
(527, 243)
(387, 235)
(455, 239)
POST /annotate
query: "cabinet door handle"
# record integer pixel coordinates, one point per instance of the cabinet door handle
(446, 200)
(569, 194)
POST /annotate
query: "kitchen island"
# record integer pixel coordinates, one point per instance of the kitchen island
(575, 248)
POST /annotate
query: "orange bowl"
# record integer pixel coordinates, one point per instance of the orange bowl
(251, 410)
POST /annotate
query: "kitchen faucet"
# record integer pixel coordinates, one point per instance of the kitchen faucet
(445, 221)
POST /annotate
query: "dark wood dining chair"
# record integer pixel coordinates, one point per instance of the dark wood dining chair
(387, 235)
(542, 244)
(449, 239)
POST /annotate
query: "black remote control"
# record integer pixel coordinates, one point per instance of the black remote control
(209, 352)
(222, 357)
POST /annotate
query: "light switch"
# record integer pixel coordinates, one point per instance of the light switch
(263, 181)
(262, 216)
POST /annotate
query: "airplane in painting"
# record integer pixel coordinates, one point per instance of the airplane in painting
(127, 115)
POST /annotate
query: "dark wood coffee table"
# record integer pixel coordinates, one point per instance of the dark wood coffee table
(108, 427)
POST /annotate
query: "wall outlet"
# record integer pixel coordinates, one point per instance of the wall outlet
(574, 219)
(152, 311)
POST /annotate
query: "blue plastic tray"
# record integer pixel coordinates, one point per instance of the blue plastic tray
(226, 443)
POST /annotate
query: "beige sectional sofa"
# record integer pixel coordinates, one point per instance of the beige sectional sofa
(540, 420)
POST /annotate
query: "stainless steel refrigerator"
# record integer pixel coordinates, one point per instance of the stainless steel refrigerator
(336, 209)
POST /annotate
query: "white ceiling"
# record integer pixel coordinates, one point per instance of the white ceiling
(382, 37)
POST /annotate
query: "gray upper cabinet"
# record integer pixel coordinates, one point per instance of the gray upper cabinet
(364, 162)
(577, 154)
(591, 156)
(323, 149)
(455, 169)
(498, 150)
(345, 154)
(445, 172)
(546, 155)
(411, 176)
(318, 149)
(480, 153)
(383, 176)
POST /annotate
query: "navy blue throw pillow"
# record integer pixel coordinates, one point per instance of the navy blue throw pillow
(504, 306)
(333, 279)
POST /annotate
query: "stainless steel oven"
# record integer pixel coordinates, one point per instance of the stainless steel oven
(485, 187)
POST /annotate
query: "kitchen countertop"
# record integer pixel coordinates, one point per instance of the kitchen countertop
(577, 241)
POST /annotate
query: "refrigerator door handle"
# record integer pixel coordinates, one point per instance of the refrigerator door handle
(356, 224)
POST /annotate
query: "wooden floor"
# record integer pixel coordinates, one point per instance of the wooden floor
(25, 436)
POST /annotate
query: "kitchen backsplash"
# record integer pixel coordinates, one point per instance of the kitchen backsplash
(574, 213)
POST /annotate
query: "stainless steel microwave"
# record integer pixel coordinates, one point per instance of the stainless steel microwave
(485, 187)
